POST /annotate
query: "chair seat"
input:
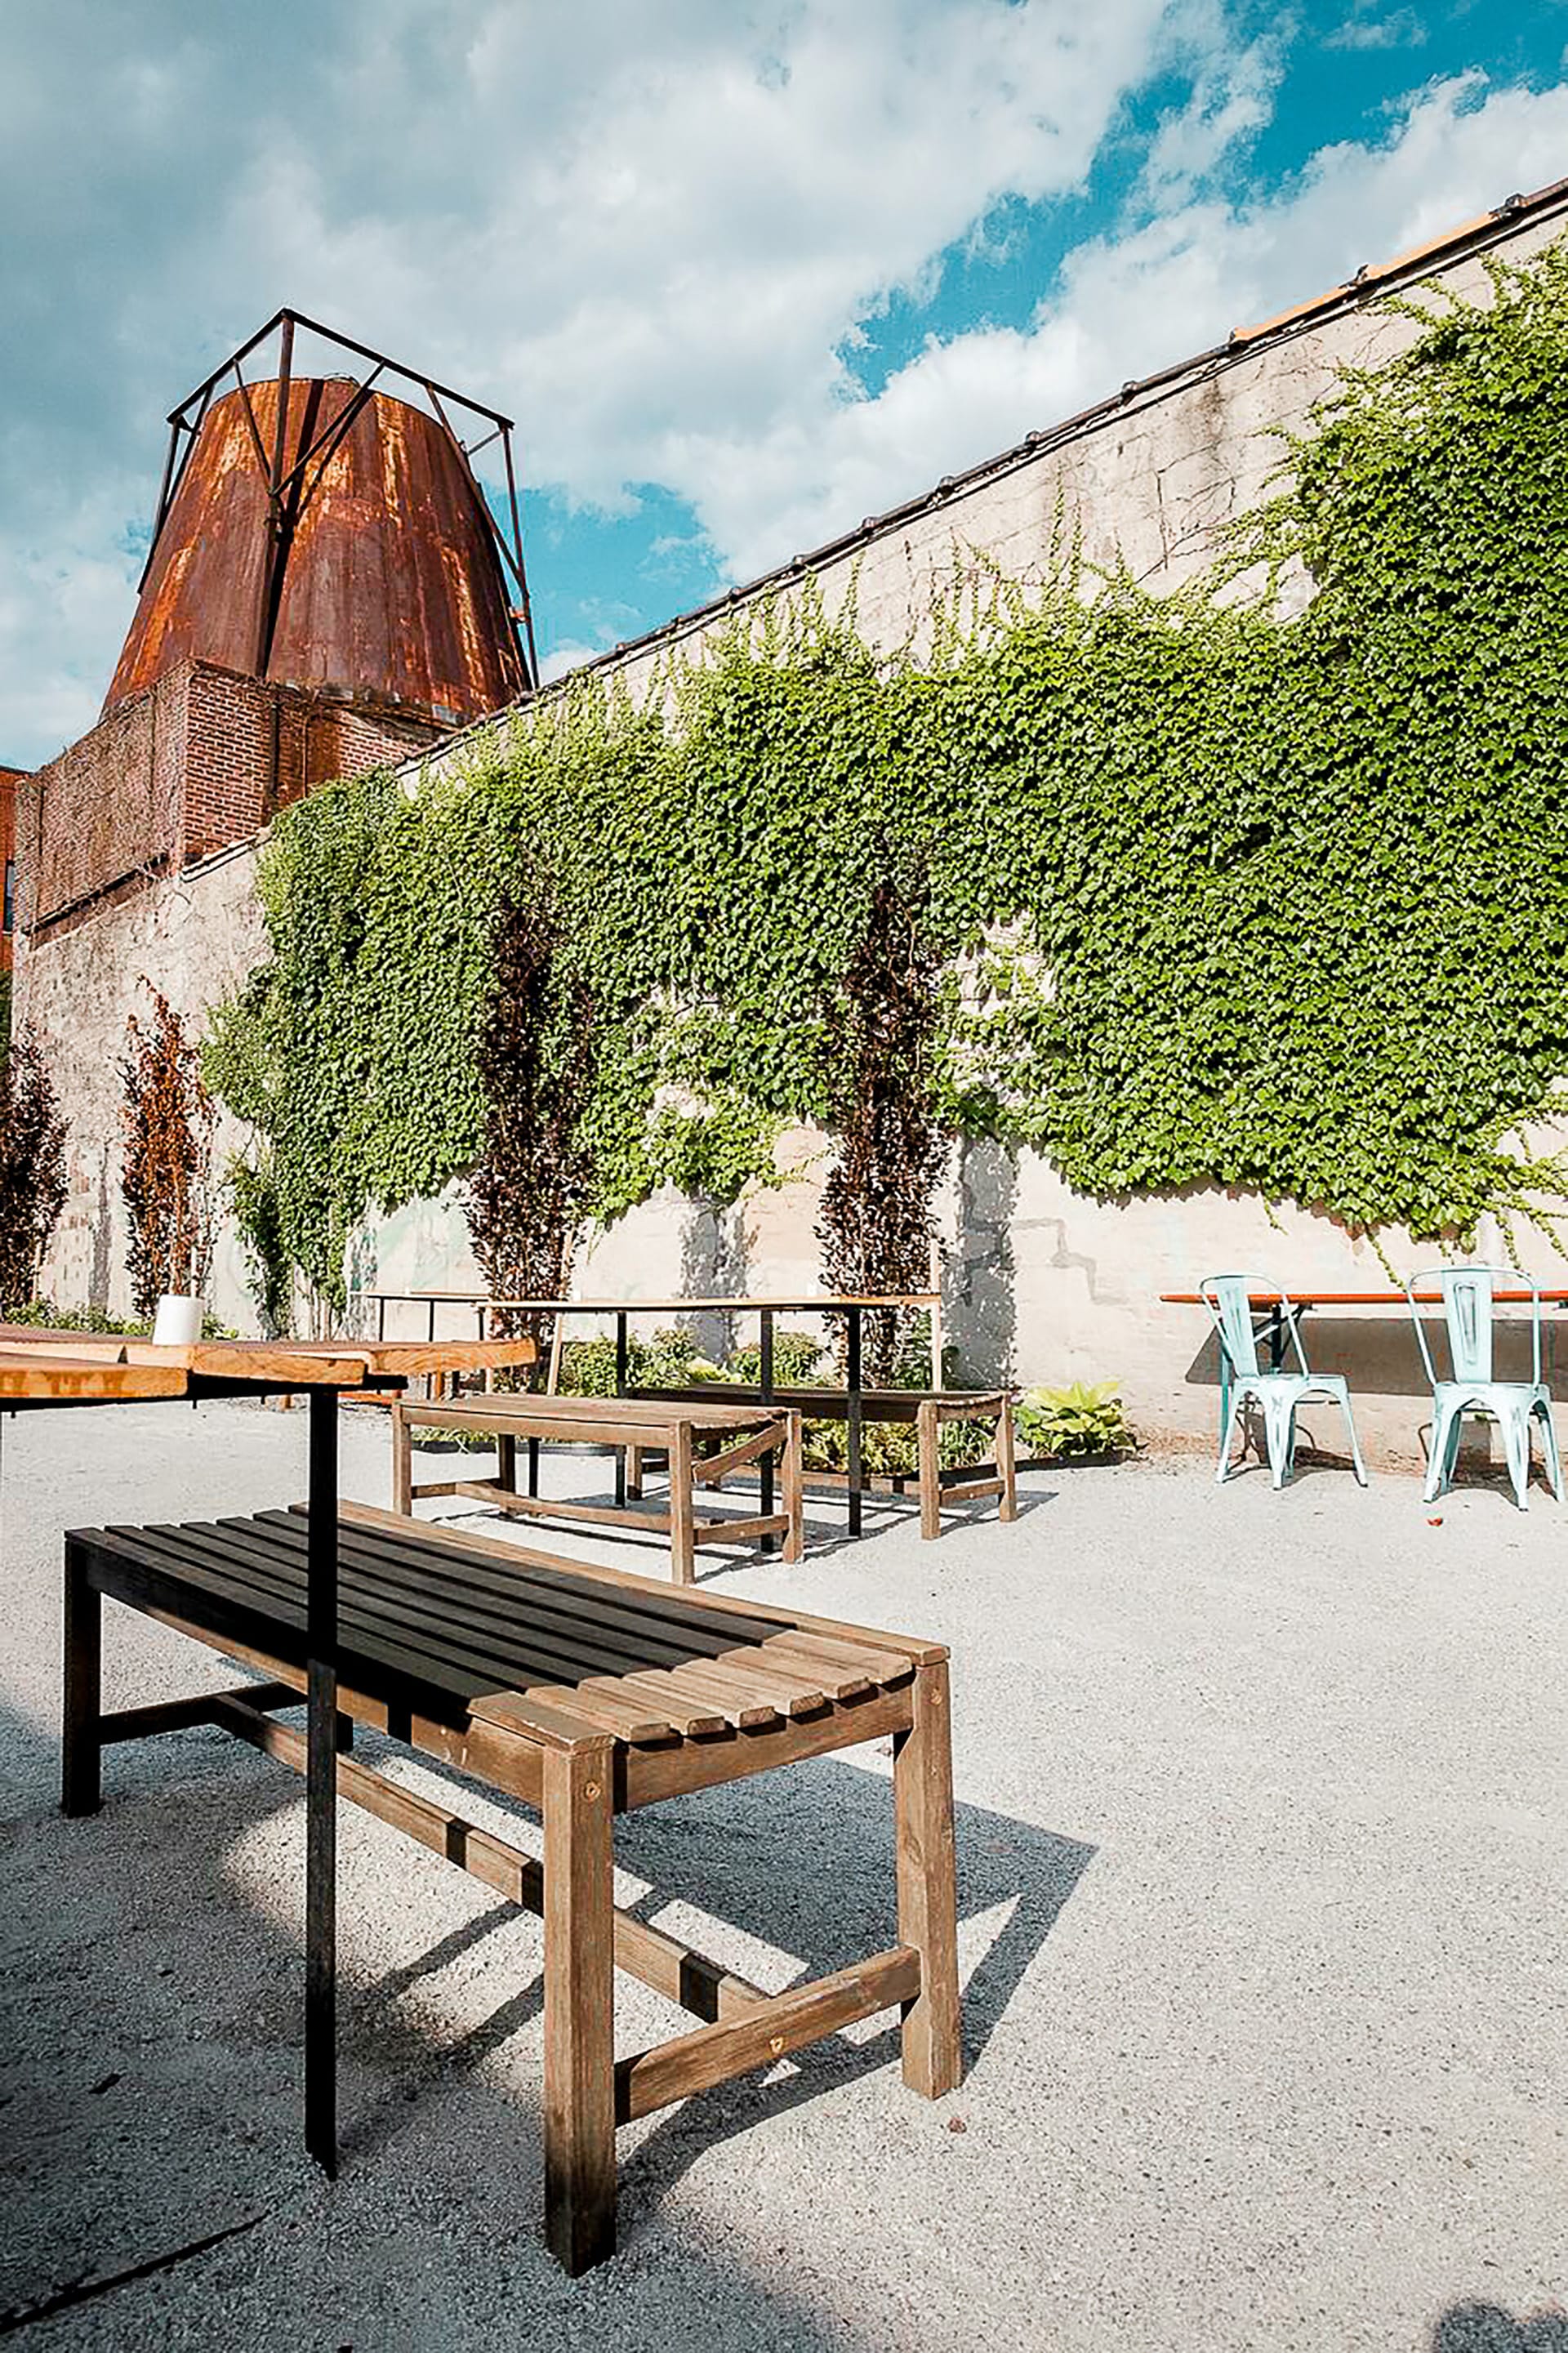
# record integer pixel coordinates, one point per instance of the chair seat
(1297, 1385)
(1496, 1398)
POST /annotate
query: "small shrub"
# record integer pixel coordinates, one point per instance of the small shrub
(32, 1170)
(1084, 1419)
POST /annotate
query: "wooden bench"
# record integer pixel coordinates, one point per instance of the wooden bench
(585, 1692)
(745, 1434)
(927, 1409)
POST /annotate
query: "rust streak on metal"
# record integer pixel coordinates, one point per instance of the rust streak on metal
(377, 574)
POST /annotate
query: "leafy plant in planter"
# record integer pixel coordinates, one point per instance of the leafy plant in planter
(167, 1119)
(1075, 1423)
(32, 1170)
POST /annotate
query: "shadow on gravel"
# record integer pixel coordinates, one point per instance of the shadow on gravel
(1487, 2329)
(150, 2018)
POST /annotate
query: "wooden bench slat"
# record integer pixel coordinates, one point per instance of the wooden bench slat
(491, 1658)
(502, 1566)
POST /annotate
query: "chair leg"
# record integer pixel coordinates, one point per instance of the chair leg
(1549, 1451)
(1446, 1426)
(1516, 1447)
(1279, 1432)
(928, 1885)
(579, 2008)
(1226, 1438)
(1355, 1443)
(80, 1755)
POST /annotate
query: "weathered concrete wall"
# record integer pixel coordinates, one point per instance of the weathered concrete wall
(194, 937)
(1041, 1281)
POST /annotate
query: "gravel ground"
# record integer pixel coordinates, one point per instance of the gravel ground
(1261, 1827)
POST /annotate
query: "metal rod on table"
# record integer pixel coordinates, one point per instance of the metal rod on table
(769, 1544)
(322, 1786)
(852, 1415)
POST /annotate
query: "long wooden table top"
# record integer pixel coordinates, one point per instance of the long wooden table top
(65, 1367)
(1308, 1297)
(820, 1302)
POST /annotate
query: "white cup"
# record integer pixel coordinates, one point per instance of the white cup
(178, 1321)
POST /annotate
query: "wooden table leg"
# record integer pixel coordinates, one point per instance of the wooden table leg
(927, 1428)
(682, 1505)
(321, 1786)
(794, 1486)
(1005, 1464)
(928, 1885)
(579, 2008)
(402, 1458)
(506, 1461)
(80, 1758)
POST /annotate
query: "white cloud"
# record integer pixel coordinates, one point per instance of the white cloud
(1125, 307)
(651, 233)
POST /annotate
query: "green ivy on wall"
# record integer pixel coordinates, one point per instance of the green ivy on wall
(1222, 895)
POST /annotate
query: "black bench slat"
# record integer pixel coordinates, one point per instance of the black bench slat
(269, 1624)
(400, 1571)
(490, 1664)
(491, 1574)
(437, 1616)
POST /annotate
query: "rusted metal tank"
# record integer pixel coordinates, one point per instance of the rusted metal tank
(351, 554)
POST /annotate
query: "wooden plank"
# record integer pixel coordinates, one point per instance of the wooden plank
(888, 1668)
(694, 1720)
(711, 1535)
(551, 1507)
(694, 2062)
(744, 1705)
(660, 1962)
(713, 1470)
(180, 1714)
(604, 1421)
(969, 1491)
(794, 1485)
(810, 1670)
(926, 1878)
(579, 2013)
(682, 1511)
(627, 1719)
(799, 1690)
(59, 1379)
(930, 1469)
(732, 1606)
(654, 1774)
(1005, 1461)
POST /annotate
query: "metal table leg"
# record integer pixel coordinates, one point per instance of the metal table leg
(621, 1362)
(853, 1418)
(769, 1544)
(321, 1786)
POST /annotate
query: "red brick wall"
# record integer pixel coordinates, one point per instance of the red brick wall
(9, 778)
(201, 760)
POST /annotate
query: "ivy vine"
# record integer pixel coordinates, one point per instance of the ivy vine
(1216, 894)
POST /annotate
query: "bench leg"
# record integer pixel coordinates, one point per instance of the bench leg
(80, 1761)
(682, 1505)
(402, 1460)
(506, 1461)
(579, 2009)
(928, 1887)
(928, 1428)
(794, 1486)
(1006, 1465)
(634, 1472)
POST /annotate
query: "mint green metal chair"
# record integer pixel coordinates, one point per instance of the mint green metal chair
(1276, 1393)
(1467, 1297)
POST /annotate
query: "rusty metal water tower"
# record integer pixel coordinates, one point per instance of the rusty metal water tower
(323, 534)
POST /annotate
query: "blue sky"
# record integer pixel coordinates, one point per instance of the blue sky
(745, 271)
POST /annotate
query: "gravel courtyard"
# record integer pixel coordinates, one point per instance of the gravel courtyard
(1263, 1849)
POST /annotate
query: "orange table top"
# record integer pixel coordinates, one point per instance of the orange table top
(1309, 1298)
(104, 1368)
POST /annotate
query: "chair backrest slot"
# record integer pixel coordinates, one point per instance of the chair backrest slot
(1469, 1297)
(1228, 1298)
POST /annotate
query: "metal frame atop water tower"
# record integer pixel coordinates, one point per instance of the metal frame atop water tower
(290, 491)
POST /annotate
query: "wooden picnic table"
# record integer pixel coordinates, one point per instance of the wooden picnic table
(41, 1370)
(756, 1434)
(854, 1306)
(585, 1692)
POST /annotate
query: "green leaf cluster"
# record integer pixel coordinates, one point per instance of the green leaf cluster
(1226, 893)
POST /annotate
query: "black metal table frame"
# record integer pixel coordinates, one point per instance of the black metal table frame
(322, 1727)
